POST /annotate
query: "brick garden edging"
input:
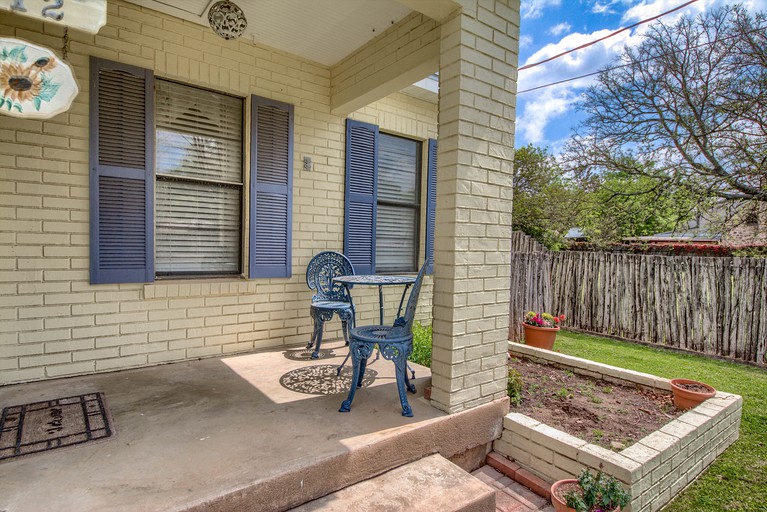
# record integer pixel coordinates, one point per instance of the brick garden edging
(654, 469)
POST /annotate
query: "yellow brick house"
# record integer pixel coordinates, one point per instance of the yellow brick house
(171, 212)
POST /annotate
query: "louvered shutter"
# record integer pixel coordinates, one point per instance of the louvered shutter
(361, 187)
(431, 203)
(271, 188)
(121, 173)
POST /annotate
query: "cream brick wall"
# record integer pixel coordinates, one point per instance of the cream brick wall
(53, 322)
(478, 70)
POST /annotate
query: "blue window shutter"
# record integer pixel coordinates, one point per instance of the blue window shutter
(361, 189)
(121, 173)
(431, 203)
(271, 188)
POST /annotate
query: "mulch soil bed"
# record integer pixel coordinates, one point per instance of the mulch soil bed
(610, 415)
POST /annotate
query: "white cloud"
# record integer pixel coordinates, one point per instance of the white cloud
(541, 107)
(577, 63)
(649, 8)
(560, 28)
(525, 41)
(551, 104)
(610, 6)
(600, 8)
(534, 8)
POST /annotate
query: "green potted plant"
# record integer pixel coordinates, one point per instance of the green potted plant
(541, 329)
(589, 493)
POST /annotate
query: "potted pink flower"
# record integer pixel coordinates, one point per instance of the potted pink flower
(541, 329)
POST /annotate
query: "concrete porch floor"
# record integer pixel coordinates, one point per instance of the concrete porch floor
(225, 434)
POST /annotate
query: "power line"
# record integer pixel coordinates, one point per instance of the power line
(565, 80)
(586, 45)
(643, 61)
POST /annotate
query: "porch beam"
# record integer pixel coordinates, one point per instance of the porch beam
(406, 53)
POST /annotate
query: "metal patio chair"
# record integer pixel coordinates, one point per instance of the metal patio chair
(395, 343)
(330, 298)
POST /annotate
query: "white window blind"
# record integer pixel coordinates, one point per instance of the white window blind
(198, 194)
(399, 161)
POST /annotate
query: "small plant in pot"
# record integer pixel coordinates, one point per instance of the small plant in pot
(590, 493)
(541, 329)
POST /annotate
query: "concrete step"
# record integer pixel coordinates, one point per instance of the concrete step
(429, 484)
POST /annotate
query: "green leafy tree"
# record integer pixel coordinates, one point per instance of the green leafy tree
(544, 200)
(617, 204)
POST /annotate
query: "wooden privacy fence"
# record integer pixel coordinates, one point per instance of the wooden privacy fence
(710, 305)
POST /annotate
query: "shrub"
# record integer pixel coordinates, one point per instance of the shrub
(421, 345)
(676, 249)
(514, 387)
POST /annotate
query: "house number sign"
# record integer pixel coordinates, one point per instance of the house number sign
(86, 15)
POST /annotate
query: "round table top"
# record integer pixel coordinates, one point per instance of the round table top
(373, 279)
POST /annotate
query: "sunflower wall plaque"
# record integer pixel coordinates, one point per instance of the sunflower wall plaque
(34, 82)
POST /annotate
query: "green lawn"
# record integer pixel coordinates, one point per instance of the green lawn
(737, 480)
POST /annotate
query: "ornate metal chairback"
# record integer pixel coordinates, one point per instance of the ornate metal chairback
(404, 324)
(320, 273)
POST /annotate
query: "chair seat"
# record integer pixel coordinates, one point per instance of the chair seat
(376, 334)
(331, 304)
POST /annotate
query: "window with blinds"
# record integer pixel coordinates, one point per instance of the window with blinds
(397, 220)
(199, 187)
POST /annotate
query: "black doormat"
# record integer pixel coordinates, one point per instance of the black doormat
(42, 426)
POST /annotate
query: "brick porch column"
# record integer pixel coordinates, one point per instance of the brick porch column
(477, 101)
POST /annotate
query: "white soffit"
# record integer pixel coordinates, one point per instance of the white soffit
(196, 8)
(323, 31)
(426, 89)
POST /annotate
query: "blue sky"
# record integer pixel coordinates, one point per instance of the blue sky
(549, 27)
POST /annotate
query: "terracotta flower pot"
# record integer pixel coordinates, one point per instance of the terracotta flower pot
(686, 398)
(540, 337)
(558, 491)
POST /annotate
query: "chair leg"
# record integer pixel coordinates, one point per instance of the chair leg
(409, 385)
(347, 321)
(314, 333)
(360, 351)
(316, 353)
(319, 317)
(400, 364)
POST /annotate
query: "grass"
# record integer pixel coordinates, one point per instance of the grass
(737, 480)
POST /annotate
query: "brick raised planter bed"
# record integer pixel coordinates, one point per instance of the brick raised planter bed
(655, 468)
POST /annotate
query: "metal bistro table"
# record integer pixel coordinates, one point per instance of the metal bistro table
(380, 281)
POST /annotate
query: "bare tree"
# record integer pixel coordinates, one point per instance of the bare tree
(687, 107)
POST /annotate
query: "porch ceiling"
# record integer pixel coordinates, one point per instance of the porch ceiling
(323, 31)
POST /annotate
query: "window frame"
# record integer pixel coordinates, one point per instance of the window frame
(417, 206)
(244, 136)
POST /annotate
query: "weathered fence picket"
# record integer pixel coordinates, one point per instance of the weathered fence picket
(710, 305)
